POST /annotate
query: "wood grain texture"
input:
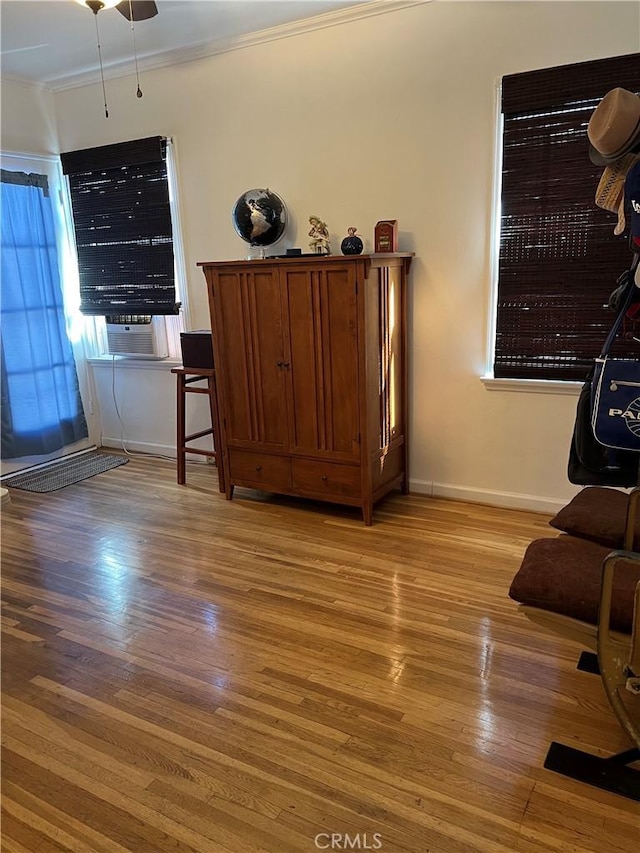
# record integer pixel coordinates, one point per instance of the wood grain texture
(186, 673)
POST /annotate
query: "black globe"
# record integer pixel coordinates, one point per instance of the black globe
(260, 217)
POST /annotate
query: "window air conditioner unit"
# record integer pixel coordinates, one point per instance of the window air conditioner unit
(137, 337)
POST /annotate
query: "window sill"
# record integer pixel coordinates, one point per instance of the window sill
(532, 386)
(122, 363)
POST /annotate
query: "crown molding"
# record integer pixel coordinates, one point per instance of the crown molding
(27, 84)
(16, 155)
(215, 47)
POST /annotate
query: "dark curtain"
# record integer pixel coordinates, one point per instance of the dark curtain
(122, 222)
(559, 258)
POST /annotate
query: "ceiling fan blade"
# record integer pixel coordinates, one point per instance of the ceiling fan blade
(142, 9)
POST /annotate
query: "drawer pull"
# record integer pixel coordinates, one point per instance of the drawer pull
(324, 478)
(258, 467)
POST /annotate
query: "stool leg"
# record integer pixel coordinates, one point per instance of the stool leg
(215, 425)
(180, 430)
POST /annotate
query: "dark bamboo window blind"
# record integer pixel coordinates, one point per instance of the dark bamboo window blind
(559, 259)
(122, 222)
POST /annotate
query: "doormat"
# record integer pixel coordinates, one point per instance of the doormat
(64, 472)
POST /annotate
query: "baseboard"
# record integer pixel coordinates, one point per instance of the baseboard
(139, 447)
(37, 465)
(164, 450)
(509, 500)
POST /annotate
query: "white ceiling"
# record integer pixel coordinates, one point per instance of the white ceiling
(53, 42)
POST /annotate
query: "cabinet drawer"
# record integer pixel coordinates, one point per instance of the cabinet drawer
(260, 469)
(325, 478)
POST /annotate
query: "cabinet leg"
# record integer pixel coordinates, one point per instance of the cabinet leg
(229, 491)
(367, 513)
(221, 482)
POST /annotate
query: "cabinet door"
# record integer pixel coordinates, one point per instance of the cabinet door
(247, 319)
(320, 307)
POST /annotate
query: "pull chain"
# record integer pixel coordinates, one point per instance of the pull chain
(104, 91)
(135, 53)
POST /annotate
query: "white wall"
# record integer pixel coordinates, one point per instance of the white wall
(27, 119)
(387, 117)
(137, 405)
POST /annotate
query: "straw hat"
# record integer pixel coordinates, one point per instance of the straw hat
(610, 190)
(614, 127)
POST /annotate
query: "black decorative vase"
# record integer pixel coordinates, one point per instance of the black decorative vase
(351, 245)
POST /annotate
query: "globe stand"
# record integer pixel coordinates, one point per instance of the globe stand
(256, 253)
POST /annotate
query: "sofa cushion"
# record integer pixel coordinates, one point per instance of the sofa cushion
(564, 576)
(598, 514)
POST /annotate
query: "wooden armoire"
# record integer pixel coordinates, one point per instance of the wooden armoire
(310, 354)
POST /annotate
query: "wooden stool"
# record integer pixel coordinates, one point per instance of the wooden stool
(186, 376)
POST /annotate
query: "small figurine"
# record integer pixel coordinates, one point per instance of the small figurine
(319, 234)
(352, 244)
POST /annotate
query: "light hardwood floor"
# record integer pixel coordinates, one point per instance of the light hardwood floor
(184, 673)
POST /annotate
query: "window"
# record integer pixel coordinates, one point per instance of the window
(558, 259)
(123, 227)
